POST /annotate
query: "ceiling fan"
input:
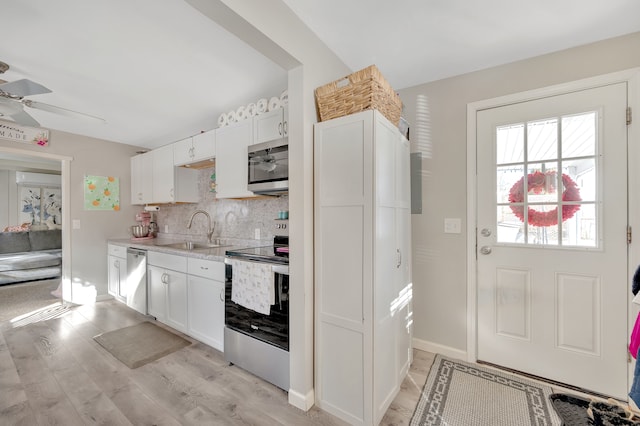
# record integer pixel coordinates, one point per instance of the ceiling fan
(12, 102)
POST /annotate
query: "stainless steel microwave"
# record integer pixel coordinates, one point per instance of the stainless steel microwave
(269, 167)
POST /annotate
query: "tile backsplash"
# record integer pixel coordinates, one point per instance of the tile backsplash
(233, 218)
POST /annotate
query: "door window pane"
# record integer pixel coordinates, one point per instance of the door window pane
(506, 177)
(581, 229)
(510, 144)
(542, 181)
(579, 135)
(542, 140)
(510, 228)
(543, 215)
(583, 173)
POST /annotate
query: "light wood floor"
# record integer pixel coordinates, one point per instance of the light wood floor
(52, 372)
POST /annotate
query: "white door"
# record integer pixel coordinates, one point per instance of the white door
(551, 238)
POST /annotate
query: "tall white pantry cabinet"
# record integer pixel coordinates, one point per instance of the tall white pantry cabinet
(363, 284)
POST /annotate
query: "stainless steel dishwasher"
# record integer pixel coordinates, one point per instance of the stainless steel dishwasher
(137, 279)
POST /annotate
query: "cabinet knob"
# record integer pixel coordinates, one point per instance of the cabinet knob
(398, 258)
(222, 295)
(286, 128)
(280, 129)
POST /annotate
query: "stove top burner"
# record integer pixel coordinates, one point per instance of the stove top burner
(278, 252)
(272, 254)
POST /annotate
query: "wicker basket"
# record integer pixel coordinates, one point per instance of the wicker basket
(362, 90)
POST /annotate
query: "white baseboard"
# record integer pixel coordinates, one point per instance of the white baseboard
(303, 402)
(436, 348)
(102, 297)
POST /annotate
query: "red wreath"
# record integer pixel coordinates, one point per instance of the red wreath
(539, 183)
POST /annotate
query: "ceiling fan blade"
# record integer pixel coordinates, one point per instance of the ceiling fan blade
(24, 87)
(59, 110)
(21, 117)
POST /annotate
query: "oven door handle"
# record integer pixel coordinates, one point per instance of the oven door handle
(275, 267)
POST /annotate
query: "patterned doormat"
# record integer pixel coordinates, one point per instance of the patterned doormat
(140, 344)
(458, 393)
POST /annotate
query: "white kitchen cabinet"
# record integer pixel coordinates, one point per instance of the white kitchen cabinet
(167, 289)
(183, 151)
(117, 272)
(172, 184)
(363, 265)
(232, 160)
(271, 126)
(156, 293)
(141, 178)
(205, 284)
(194, 149)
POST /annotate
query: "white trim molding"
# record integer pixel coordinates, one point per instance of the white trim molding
(302, 401)
(437, 348)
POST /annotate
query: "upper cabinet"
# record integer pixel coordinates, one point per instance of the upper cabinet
(270, 126)
(172, 184)
(141, 181)
(193, 149)
(232, 160)
(183, 152)
(154, 179)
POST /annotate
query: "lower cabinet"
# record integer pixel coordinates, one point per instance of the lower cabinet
(117, 278)
(205, 283)
(188, 294)
(167, 289)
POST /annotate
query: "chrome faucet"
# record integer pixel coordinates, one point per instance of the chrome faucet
(209, 229)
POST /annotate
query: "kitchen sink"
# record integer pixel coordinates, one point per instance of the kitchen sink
(189, 245)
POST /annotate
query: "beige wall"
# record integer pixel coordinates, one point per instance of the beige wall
(437, 112)
(88, 247)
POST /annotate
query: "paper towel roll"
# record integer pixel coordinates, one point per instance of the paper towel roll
(240, 113)
(233, 117)
(262, 105)
(223, 120)
(251, 110)
(274, 103)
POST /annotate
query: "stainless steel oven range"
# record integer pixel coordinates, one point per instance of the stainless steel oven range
(256, 335)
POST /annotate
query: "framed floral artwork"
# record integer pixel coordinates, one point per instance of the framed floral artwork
(40, 205)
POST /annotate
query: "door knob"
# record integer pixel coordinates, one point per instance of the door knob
(485, 250)
(485, 232)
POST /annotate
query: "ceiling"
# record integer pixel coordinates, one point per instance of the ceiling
(159, 74)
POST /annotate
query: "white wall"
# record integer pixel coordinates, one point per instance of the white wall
(88, 251)
(437, 112)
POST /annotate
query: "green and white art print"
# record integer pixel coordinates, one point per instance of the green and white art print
(101, 193)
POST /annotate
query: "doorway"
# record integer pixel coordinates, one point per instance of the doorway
(549, 280)
(31, 161)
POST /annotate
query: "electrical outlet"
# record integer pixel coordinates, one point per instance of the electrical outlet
(75, 223)
(256, 233)
(166, 229)
(452, 226)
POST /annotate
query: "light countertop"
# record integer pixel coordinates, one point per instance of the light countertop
(212, 253)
